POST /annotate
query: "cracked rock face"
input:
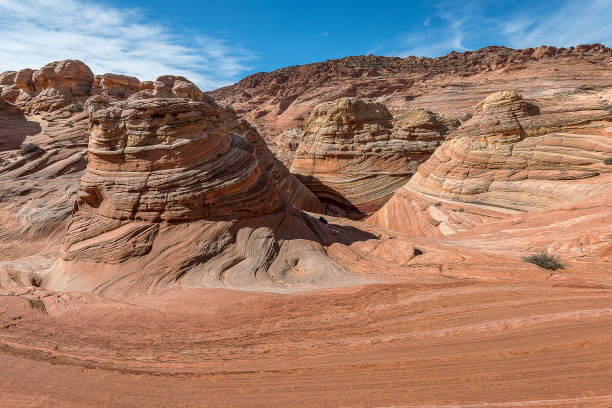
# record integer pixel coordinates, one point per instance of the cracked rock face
(357, 154)
(513, 156)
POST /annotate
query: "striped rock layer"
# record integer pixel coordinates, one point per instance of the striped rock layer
(171, 197)
(355, 154)
(513, 156)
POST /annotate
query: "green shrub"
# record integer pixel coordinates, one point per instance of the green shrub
(28, 148)
(75, 108)
(35, 280)
(608, 108)
(608, 160)
(545, 261)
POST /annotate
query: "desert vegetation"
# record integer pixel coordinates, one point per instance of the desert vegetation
(28, 148)
(545, 261)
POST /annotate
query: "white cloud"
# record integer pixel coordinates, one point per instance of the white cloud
(108, 39)
(432, 42)
(472, 25)
(574, 23)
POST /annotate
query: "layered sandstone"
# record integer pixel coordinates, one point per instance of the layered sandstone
(173, 196)
(54, 86)
(513, 156)
(297, 194)
(43, 153)
(282, 100)
(434, 321)
(354, 154)
(44, 110)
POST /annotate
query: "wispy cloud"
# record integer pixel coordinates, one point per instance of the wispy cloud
(476, 24)
(576, 22)
(108, 39)
(433, 41)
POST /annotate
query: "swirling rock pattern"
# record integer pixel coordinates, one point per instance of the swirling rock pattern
(171, 195)
(297, 194)
(356, 154)
(513, 156)
(170, 159)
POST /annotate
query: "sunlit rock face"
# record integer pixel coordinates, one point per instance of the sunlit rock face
(170, 159)
(174, 197)
(356, 154)
(54, 86)
(513, 156)
(279, 103)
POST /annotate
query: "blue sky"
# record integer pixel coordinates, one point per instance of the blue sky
(215, 43)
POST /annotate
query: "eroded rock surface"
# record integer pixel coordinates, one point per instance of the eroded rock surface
(513, 156)
(43, 153)
(54, 86)
(450, 85)
(432, 318)
(354, 154)
(172, 195)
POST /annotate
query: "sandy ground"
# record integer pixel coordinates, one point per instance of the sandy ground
(464, 343)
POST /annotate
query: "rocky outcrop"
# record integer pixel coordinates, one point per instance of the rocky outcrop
(354, 154)
(172, 195)
(54, 86)
(513, 156)
(449, 85)
(43, 153)
(297, 194)
(115, 85)
(43, 142)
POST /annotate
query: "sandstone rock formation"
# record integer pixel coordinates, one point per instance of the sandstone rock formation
(513, 156)
(449, 85)
(354, 154)
(297, 194)
(44, 110)
(171, 197)
(54, 86)
(115, 85)
(179, 194)
(40, 184)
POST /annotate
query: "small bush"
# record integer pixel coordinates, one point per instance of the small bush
(75, 108)
(608, 108)
(35, 280)
(545, 261)
(28, 148)
(608, 161)
(460, 209)
(467, 117)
